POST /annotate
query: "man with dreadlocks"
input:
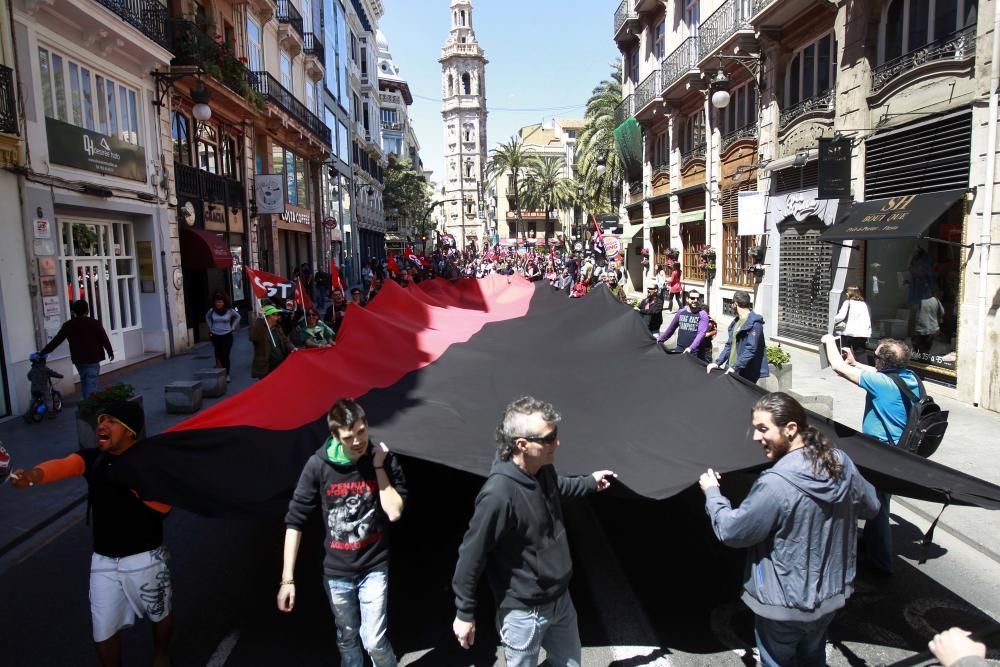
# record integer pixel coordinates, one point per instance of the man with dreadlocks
(799, 526)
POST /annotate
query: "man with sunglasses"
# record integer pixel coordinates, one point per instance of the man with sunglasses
(691, 324)
(517, 536)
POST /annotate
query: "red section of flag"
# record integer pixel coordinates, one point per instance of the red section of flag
(301, 296)
(336, 279)
(269, 285)
(393, 267)
(598, 237)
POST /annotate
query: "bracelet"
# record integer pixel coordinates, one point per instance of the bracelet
(379, 467)
(287, 582)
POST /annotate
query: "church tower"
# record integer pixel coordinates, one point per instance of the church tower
(463, 93)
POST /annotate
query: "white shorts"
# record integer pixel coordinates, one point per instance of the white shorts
(124, 589)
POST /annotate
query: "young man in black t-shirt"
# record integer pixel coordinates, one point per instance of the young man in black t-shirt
(360, 489)
(129, 577)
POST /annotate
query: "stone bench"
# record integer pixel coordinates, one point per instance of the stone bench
(183, 396)
(820, 403)
(213, 381)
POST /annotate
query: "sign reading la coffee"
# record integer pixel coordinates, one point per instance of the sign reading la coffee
(77, 147)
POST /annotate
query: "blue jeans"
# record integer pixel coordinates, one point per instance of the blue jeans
(525, 632)
(360, 606)
(88, 378)
(792, 643)
(876, 540)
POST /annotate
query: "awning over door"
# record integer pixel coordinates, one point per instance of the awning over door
(901, 217)
(204, 250)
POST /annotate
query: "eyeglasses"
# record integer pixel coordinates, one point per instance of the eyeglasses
(548, 439)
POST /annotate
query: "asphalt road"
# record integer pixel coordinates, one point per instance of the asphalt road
(652, 588)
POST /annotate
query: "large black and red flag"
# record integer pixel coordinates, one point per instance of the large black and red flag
(435, 364)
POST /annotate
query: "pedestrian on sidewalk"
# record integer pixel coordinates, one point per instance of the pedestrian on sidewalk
(675, 288)
(360, 489)
(223, 324)
(88, 341)
(744, 353)
(691, 322)
(270, 344)
(129, 577)
(855, 323)
(517, 536)
(651, 309)
(799, 526)
(660, 276)
(885, 417)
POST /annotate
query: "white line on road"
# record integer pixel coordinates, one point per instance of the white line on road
(225, 647)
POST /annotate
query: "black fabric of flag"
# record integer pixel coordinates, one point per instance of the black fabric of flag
(658, 420)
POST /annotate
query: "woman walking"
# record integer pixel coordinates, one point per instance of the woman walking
(223, 323)
(676, 288)
(855, 322)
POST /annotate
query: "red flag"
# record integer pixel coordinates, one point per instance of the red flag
(335, 278)
(301, 297)
(598, 237)
(269, 285)
(393, 267)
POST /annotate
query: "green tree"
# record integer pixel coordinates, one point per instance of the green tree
(596, 145)
(546, 188)
(407, 194)
(511, 158)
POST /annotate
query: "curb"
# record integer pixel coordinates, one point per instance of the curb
(41, 525)
(954, 532)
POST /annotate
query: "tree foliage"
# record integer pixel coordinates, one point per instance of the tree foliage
(545, 186)
(407, 194)
(596, 144)
(512, 158)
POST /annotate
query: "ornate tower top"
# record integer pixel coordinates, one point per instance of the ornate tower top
(462, 37)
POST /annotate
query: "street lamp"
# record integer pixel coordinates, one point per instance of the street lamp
(720, 89)
(579, 213)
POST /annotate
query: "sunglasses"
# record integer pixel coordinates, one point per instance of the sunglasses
(548, 439)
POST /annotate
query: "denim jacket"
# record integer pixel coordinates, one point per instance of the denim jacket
(751, 360)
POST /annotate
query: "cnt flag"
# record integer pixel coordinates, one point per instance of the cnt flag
(335, 278)
(301, 296)
(598, 238)
(392, 266)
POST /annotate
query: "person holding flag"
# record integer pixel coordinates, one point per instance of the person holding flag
(270, 344)
(598, 239)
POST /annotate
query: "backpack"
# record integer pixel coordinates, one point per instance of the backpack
(926, 422)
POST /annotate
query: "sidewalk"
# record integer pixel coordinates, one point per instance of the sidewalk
(24, 513)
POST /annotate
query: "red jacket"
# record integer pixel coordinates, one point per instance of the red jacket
(675, 282)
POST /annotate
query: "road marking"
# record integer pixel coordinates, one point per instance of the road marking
(222, 652)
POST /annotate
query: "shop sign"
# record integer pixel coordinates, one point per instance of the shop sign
(74, 146)
(330, 223)
(214, 216)
(834, 168)
(612, 246)
(42, 229)
(269, 193)
(298, 217)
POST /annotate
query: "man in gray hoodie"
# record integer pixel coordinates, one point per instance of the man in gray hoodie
(799, 526)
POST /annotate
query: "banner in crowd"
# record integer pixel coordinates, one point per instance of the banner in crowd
(270, 286)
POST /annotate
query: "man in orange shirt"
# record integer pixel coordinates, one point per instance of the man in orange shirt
(129, 577)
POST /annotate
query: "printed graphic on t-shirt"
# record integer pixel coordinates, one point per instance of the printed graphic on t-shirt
(351, 519)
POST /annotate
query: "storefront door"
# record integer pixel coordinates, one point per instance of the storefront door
(804, 281)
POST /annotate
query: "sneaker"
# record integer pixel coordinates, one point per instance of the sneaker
(228, 379)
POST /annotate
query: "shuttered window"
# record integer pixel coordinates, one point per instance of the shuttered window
(804, 282)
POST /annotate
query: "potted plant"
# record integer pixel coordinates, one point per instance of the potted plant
(707, 259)
(779, 364)
(91, 407)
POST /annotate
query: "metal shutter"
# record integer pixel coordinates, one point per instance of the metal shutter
(804, 282)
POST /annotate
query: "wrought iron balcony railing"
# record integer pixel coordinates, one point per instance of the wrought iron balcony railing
(745, 132)
(191, 46)
(625, 109)
(149, 17)
(648, 90)
(959, 45)
(722, 24)
(8, 102)
(682, 60)
(760, 5)
(624, 13)
(288, 14)
(693, 154)
(822, 102)
(269, 87)
(311, 46)
(195, 183)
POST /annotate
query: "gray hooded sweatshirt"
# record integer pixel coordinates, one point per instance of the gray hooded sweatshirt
(800, 531)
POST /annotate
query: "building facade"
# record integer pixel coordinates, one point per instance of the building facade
(463, 80)
(907, 93)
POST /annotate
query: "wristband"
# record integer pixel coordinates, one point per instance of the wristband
(379, 467)
(287, 582)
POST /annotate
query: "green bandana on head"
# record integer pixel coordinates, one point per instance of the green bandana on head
(335, 452)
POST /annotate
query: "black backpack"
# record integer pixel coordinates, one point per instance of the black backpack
(926, 422)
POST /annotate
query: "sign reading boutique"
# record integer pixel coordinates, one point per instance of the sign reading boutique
(74, 146)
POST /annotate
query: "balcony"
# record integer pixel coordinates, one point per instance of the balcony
(194, 183)
(395, 127)
(8, 102)
(625, 110)
(729, 19)
(290, 33)
(822, 104)
(147, 16)
(959, 46)
(626, 24)
(191, 46)
(693, 154)
(683, 61)
(273, 91)
(739, 134)
(312, 47)
(648, 91)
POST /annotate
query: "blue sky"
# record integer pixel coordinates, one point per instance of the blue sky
(543, 54)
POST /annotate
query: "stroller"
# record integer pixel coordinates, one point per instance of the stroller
(45, 399)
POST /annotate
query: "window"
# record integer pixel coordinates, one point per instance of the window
(693, 241)
(909, 24)
(368, 129)
(692, 15)
(659, 39)
(311, 96)
(255, 53)
(356, 108)
(307, 16)
(364, 61)
(451, 85)
(94, 101)
(296, 174)
(98, 262)
(286, 70)
(661, 150)
(181, 134)
(466, 84)
(812, 71)
(343, 143)
(735, 248)
(694, 133)
(742, 109)
(389, 116)
(208, 152)
(632, 66)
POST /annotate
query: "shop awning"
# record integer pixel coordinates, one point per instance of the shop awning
(659, 222)
(902, 217)
(692, 216)
(629, 231)
(204, 250)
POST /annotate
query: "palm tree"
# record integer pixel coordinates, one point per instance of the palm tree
(512, 158)
(547, 188)
(596, 145)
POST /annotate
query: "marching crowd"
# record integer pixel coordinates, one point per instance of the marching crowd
(807, 503)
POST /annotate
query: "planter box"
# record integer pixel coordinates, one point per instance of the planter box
(780, 379)
(85, 427)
